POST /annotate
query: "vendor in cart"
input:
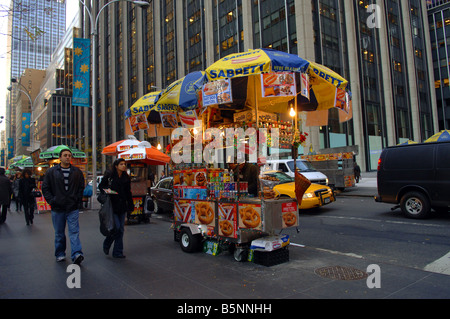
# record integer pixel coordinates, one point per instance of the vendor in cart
(247, 173)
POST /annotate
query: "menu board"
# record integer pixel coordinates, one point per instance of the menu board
(138, 122)
(278, 84)
(217, 92)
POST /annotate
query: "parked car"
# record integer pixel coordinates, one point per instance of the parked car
(416, 177)
(303, 166)
(162, 195)
(315, 196)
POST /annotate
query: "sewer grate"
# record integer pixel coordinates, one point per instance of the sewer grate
(341, 273)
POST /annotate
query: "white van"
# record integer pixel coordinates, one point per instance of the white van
(303, 166)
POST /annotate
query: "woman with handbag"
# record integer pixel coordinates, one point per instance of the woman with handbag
(117, 180)
(26, 186)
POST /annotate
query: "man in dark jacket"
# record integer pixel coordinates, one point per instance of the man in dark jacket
(5, 194)
(62, 188)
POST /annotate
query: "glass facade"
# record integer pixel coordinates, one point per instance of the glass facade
(177, 37)
(439, 22)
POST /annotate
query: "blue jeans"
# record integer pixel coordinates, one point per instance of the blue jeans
(59, 224)
(117, 236)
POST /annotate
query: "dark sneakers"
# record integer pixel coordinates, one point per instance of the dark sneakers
(78, 259)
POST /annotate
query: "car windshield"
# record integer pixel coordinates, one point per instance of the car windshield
(302, 166)
(280, 176)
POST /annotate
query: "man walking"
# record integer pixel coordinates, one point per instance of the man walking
(62, 188)
(5, 194)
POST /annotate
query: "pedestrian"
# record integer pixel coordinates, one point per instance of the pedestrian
(5, 194)
(357, 172)
(26, 185)
(62, 188)
(15, 187)
(118, 180)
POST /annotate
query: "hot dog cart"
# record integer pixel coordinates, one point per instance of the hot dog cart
(207, 205)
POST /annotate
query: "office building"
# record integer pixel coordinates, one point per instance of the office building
(381, 47)
(439, 22)
(36, 27)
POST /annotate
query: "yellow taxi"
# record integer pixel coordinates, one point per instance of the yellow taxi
(316, 195)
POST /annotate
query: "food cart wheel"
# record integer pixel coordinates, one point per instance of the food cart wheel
(189, 243)
(240, 254)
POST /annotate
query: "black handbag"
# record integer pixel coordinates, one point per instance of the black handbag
(36, 192)
(103, 196)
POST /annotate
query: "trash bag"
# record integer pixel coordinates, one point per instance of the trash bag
(107, 226)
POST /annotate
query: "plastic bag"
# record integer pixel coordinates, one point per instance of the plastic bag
(107, 226)
(87, 191)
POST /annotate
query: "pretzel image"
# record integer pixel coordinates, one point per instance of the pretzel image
(226, 227)
(289, 219)
(250, 217)
(205, 213)
(200, 179)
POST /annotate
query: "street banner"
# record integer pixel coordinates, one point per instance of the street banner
(81, 72)
(26, 119)
(10, 147)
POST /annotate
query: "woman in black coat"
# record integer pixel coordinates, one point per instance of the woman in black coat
(26, 185)
(117, 180)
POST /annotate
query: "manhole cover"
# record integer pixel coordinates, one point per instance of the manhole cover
(341, 273)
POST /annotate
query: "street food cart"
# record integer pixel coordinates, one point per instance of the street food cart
(210, 206)
(246, 90)
(139, 158)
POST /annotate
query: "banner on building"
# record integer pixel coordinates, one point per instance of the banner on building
(81, 72)
(26, 120)
(2, 157)
(10, 148)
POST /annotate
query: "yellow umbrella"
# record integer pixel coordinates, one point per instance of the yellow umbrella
(407, 142)
(324, 83)
(144, 105)
(442, 136)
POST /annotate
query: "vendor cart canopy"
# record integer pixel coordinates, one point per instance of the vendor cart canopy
(53, 152)
(144, 105)
(255, 62)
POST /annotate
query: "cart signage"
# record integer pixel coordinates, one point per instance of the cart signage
(250, 216)
(217, 92)
(138, 207)
(278, 84)
(289, 214)
(227, 219)
(183, 211)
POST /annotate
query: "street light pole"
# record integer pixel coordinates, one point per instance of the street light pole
(94, 33)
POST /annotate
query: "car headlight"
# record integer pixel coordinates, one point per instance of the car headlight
(326, 181)
(308, 195)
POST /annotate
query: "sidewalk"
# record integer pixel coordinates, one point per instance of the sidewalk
(367, 186)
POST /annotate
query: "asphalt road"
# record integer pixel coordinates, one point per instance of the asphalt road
(360, 227)
(354, 232)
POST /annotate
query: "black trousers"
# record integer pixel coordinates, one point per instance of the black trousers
(4, 211)
(28, 208)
